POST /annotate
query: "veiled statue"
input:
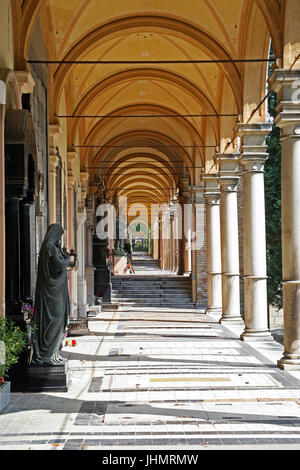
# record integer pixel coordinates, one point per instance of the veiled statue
(52, 303)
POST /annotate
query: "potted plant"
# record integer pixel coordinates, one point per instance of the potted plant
(12, 342)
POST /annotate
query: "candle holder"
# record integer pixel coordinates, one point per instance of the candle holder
(73, 258)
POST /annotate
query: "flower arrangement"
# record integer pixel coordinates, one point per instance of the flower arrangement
(98, 299)
(28, 312)
(14, 340)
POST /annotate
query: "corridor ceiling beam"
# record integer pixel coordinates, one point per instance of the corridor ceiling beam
(146, 145)
(111, 116)
(110, 62)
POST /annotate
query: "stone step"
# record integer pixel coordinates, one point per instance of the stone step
(152, 290)
(153, 301)
(138, 285)
(160, 305)
(174, 293)
(149, 277)
(124, 295)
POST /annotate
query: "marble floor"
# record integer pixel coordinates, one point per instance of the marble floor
(161, 379)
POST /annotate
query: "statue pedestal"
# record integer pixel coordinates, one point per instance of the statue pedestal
(119, 262)
(48, 378)
(78, 327)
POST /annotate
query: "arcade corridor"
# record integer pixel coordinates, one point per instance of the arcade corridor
(170, 129)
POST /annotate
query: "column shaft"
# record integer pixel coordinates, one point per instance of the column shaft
(213, 246)
(253, 158)
(288, 119)
(229, 239)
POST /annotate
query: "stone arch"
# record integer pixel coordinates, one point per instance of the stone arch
(178, 27)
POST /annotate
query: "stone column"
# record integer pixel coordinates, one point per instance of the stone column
(181, 240)
(71, 235)
(172, 248)
(253, 158)
(187, 230)
(166, 230)
(286, 84)
(54, 133)
(90, 230)
(53, 162)
(81, 281)
(198, 278)
(176, 216)
(229, 239)
(213, 245)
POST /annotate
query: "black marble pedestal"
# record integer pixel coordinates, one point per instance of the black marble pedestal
(48, 378)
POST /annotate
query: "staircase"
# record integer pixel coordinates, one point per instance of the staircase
(149, 287)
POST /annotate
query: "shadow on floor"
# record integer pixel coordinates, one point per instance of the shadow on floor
(100, 408)
(139, 358)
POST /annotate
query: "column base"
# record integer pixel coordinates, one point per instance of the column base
(214, 310)
(231, 320)
(250, 336)
(289, 362)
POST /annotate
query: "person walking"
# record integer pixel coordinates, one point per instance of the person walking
(128, 251)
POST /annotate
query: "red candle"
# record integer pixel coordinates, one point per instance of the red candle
(73, 342)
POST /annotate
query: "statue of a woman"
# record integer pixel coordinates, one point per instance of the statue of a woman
(52, 304)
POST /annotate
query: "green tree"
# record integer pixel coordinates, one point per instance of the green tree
(273, 210)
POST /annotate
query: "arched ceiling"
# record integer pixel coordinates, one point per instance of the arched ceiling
(136, 154)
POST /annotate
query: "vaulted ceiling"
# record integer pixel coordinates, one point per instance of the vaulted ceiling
(138, 136)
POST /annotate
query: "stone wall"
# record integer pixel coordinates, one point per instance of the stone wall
(275, 317)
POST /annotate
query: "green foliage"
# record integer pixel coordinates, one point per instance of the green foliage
(140, 248)
(15, 340)
(273, 210)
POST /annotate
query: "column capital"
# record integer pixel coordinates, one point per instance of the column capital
(229, 163)
(55, 131)
(53, 162)
(286, 84)
(26, 81)
(71, 155)
(210, 179)
(84, 176)
(212, 198)
(253, 143)
(81, 214)
(256, 131)
(212, 188)
(197, 194)
(229, 183)
(71, 181)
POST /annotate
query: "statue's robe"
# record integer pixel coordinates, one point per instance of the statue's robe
(52, 304)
